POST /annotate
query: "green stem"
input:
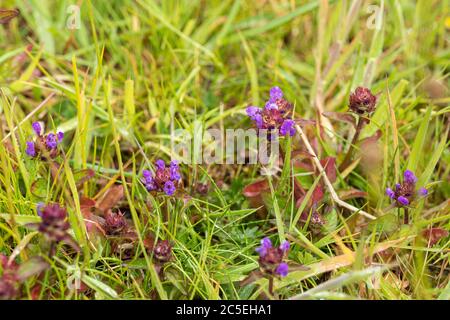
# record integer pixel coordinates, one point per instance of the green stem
(349, 154)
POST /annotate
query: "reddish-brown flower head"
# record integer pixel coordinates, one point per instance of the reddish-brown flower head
(163, 251)
(114, 222)
(362, 101)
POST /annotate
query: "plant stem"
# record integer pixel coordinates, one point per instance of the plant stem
(271, 285)
(406, 216)
(348, 156)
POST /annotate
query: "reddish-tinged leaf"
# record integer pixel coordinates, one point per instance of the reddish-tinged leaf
(111, 198)
(254, 193)
(86, 204)
(329, 164)
(433, 235)
(255, 189)
(351, 194)
(317, 194)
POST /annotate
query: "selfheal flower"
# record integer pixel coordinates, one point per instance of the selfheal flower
(287, 127)
(405, 193)
(266, 244)
(54, 224)
(403, 200)
(163, 251)
(275, 116)
(390, 193)
(362, 101)
(39, 208)
(282, 269)
(174, 171)
(409, 177)
(114, 222)
(271, 258)
(271, 106)
(423, 192)
(275, 93)
(37, 128)
(165, 179)
(50, 141)
(30, 150)
(160, 164)
(44, 144)
(285, 246)
(252, 111)
(169, 188)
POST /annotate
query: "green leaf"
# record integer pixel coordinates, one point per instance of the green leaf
(417, 150)
(100, 287)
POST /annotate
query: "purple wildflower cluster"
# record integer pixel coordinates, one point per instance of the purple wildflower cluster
(276, 114)
(404, 193)
(271, 258)
(165, 179)
(48, 142)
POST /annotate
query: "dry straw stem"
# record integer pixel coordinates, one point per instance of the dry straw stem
(333, 193)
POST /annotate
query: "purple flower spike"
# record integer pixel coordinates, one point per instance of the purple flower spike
(397, 186)
(403, 200)
(282, 269)
(160, 164)
(39, 207)
(30, 150)
(275, 93)
(37, 128)
(423, 192)
(252, 111)
(287, 127)
(259, 121)
(266, 244)
(169, 188)
(147, 174)
(174, 172)
(285, 246)
(150, 185)
(390, 193)
(60, 136)
(409, 177)
(51, 141)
